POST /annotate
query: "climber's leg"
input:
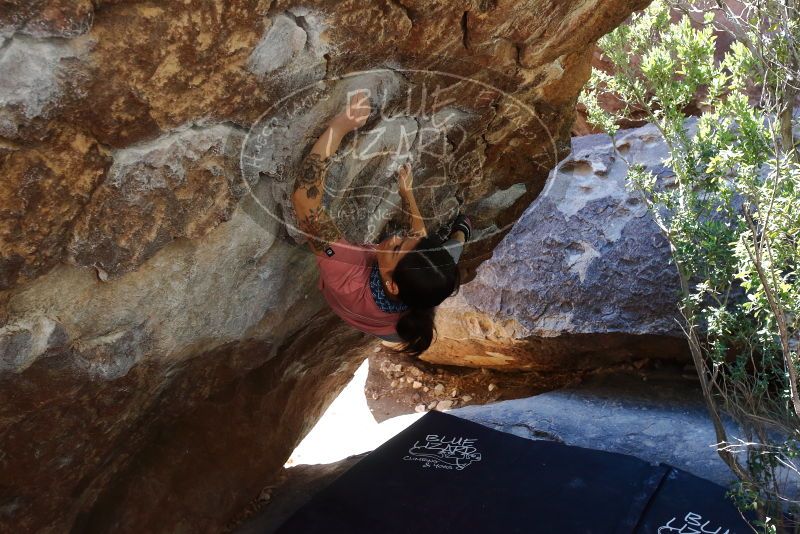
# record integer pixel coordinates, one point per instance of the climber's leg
(461, 232)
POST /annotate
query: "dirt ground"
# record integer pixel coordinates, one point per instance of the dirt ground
(398, 384)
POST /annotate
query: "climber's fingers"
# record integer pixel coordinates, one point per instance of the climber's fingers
(405, 179)
(358, 108)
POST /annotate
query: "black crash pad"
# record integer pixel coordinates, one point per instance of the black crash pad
(444, 474)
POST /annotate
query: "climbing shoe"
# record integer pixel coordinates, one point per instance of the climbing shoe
(462, 223)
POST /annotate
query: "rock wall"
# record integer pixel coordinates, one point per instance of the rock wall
(583, 280)
(162, 343)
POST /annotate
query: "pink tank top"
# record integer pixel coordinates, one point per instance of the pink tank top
(344, 281)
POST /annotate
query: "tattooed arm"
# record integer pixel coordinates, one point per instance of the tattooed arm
(307, 200)
(310, 182)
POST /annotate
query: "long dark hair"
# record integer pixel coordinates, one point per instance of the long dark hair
(425, 277)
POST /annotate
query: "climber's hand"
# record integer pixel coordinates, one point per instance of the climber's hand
(356, 113)
(405, 186)
(405, 180)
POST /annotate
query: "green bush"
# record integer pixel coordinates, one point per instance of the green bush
(731, 214)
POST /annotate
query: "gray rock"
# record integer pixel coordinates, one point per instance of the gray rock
(15, 345)
(585, 259)
(112, 355)
(180, 185)
(294, 41)
(280, 44)
(25, 339)
(658, 419)
(33, 74)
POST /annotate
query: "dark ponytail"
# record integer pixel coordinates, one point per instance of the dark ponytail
(416, 328)
(425, 277)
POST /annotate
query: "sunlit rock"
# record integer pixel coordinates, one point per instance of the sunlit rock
(583, 280)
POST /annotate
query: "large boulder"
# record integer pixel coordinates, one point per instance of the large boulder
(583, 280)
(162, 344)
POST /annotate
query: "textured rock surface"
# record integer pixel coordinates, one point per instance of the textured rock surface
(657, 417)
(582, 280)
(180, 185)
(162, 345)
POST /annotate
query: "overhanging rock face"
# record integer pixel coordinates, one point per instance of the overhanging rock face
(162, 344)
(583, 280)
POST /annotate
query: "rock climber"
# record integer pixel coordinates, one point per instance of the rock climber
(391, 289)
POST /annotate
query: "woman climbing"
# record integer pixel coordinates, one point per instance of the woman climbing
(390, 290)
